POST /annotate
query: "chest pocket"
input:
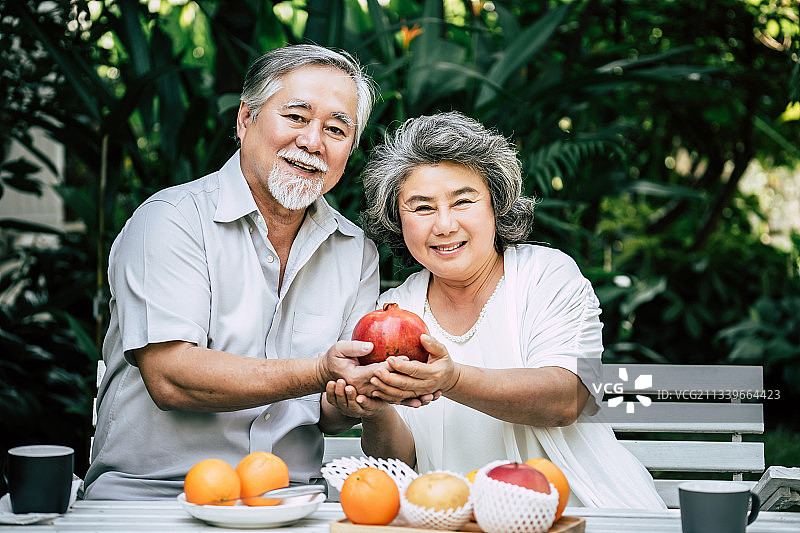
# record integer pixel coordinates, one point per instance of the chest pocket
(312, 333)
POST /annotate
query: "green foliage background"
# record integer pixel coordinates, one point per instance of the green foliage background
(635, 122)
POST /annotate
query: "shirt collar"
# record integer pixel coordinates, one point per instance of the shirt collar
(235, 197)
(236, 201)
(322, 214)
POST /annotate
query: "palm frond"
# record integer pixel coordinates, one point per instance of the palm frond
(563, 159)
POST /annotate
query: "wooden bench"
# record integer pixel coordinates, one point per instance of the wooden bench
(703, 401)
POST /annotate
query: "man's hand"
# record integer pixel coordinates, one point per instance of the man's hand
(342, 359)
(354, 405)
(341, 362)
(347, 400)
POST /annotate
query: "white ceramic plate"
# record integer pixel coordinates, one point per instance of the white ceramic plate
(242, 516)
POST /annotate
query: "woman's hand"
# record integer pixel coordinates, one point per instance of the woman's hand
(424, 382)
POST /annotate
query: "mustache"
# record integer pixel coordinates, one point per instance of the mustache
(303, 157)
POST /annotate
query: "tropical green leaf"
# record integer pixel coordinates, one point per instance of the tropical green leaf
(673, 73)
(80, 202)
(665, 190)
(427, 48)
(521, 50)
(649, 59)
(554, 222)
(228, 101)
(637, 352)
(383, 33)
(325, 24)
(562, 158)
(86, 343)
(133, 37)
(645, 292)
(770, 131)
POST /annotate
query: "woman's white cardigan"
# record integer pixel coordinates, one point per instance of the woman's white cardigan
(600, 471)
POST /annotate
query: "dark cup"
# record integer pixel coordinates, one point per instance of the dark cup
(39, 478)
(716, 506)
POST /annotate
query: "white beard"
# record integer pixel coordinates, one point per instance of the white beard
(291, 191)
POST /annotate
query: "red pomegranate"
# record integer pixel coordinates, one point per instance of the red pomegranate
(392, 331)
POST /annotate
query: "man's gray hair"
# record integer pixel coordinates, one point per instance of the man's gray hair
(264, 77)
(430, 140)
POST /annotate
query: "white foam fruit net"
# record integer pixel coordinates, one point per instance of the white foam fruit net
(429, 518)
(337, 470)
(505, 508)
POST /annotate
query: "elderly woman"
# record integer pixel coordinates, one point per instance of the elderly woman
(519, 325)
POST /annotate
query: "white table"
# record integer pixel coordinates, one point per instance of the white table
(167, 516)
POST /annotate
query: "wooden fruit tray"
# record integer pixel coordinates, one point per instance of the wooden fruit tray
(566, 524)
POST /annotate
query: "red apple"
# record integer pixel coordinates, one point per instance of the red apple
(522, 475)
(392, 331)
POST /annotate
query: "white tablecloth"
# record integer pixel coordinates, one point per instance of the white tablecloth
(168, 516)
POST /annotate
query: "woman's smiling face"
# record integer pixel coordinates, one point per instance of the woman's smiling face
(448, 220)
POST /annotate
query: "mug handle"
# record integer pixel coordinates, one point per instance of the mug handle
(755, 504)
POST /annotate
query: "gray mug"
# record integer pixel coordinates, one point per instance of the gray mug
(716, 506)
(39, 478)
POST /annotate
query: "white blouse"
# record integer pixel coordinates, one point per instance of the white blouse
(546, 315)
(469, 436)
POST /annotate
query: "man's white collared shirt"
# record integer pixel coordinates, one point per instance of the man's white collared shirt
(194, 263)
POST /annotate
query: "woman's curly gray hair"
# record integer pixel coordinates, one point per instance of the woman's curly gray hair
(429, 140)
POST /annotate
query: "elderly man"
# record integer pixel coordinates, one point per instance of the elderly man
(224, 291)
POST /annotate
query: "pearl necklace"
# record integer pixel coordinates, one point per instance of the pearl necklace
(460, 339)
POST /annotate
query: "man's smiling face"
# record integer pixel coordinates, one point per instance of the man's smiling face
(296, 148)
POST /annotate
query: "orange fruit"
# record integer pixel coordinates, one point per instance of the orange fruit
(370, 496)
(211, 482)
(259, 472)
(555, 476)
(471, 476)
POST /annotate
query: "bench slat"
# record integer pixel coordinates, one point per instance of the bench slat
(680, 417)
(101, 370)
(336, 447)
(688, 417)
(698, 456)
(688, 377)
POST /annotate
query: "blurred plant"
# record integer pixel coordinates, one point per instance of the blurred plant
(48, 351)
(770, 336)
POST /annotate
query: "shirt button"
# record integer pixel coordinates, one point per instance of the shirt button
(251, 229)
(270, 259)
(266, 416)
